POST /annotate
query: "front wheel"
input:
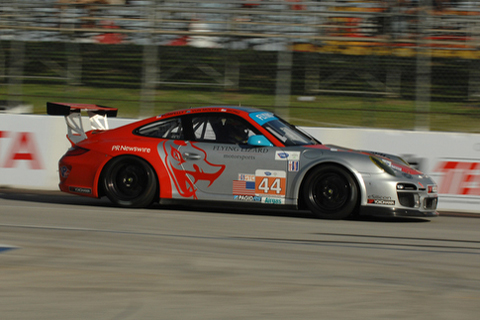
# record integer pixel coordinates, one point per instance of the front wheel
(330, 192)
(129, 181)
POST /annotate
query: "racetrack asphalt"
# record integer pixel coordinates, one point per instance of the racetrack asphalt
(69, 257)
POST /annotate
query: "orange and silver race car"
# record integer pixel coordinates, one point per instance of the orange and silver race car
(237, 156)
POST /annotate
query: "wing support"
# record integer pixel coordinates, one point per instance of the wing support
(73, 117)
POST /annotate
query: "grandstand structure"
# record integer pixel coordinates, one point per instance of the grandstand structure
(349, 27)
(304, 48)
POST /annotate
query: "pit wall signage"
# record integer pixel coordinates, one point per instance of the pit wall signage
(459, 177)
(31, 145)
(21, 148)
(26, 152)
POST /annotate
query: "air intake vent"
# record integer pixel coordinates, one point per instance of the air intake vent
(406, 187)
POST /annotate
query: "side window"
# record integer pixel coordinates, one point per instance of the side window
(166, 129)
(222, 128)
(202, 129)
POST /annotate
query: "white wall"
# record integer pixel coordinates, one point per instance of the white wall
(31, 145)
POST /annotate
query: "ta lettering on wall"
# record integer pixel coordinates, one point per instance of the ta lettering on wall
(19, 147)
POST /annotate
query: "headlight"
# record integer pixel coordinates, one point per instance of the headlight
(382, 165)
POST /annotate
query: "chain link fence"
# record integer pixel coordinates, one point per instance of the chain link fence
(392, 64)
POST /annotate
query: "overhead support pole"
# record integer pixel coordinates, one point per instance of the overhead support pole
(284, 81)
(150, 69)
(424, 68)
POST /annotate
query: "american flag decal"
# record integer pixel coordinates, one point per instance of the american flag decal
(293, 165)
(243, 188)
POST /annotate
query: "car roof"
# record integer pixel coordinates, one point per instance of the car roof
(227, 109)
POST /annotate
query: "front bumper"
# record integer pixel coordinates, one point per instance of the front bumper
(395, 212)
(414, 196)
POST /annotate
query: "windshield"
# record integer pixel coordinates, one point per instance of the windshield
(282, 130)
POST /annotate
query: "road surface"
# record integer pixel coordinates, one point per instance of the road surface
(67, 257)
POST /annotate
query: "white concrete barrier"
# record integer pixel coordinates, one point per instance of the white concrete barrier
(31, 145)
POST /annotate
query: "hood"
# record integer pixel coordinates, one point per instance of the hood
(391, 160)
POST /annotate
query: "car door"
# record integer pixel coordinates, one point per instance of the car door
(224, 167)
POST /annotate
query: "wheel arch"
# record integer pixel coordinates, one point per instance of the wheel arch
(357, 177)
(101, 175)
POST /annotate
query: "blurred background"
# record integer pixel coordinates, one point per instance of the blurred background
(401, 64)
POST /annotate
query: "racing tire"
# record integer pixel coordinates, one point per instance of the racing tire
(330, 192)
(130, 181)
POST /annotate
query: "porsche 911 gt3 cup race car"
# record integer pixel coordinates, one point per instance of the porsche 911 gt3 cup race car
(233, 155)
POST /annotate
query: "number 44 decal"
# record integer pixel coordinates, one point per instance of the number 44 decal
(275, 186)
(270, 182)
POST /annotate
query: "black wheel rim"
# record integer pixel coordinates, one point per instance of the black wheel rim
(128, 181)
(330, 192)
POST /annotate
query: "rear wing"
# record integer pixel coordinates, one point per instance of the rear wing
(73, 117)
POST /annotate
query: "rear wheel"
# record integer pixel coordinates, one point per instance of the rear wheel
(129, 181)
(330, 192)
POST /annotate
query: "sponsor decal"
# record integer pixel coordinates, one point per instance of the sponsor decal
(378, 197)
(246, 177)
(379, 201)
(459, 177)
(226, 148)
(262, 117)
(293, 166)
(247, 198)
(241, 187)
(130, 149)
(406, 171)
(284, 156)
(23, 148)
(81, 190)
(172, 113)
(239, 149)
(238, 156)
(64, 172)
(392, 165)
(274, 200)
(270, 183)
(199, 110)
(281, 155)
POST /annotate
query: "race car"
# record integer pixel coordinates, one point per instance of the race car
(233, 156)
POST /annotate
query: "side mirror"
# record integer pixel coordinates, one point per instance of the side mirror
(259, 141)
